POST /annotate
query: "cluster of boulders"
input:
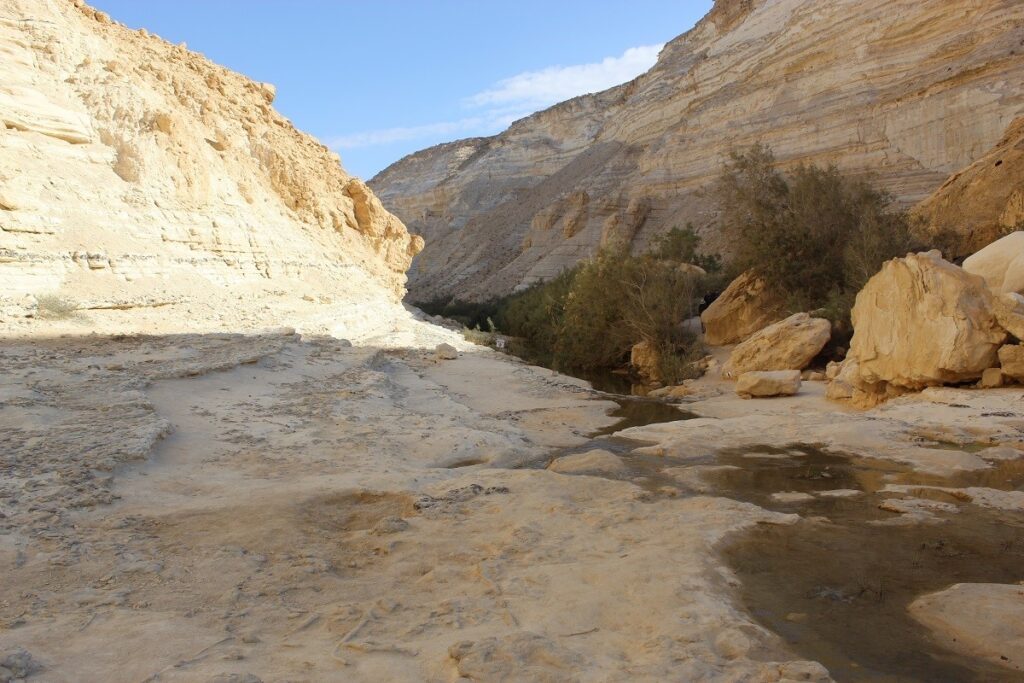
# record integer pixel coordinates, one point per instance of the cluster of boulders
(771, 352)
(919, 322)
(922, 322)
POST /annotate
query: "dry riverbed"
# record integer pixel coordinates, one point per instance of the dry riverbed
(277, 507)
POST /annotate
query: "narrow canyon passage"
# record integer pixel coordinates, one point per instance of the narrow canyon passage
(257, 425)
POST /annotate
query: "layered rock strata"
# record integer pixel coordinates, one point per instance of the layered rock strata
(982, 202)
(909, 91)
(134, 172)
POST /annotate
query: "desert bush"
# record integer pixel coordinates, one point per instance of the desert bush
(816, 236)
(486, 337)
(534, 316)
(683, 245)
(471, 314)
(54, 307)
(591, 316)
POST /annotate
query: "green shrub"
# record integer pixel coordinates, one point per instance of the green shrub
(481, 337)
(534, 316)
(472, 315)
(815, 236)
(683, 246)
(591, 316)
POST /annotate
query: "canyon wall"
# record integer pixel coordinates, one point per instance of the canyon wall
(982, 202)
(136, 173)
(909, 91)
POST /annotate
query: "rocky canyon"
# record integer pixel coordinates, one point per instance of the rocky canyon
(908, 92)
(231, 453)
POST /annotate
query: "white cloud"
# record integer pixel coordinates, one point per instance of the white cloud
(387, 136)
(513, 98)
(557, 83)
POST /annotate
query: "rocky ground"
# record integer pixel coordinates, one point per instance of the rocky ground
(188, 506)
(287, 507)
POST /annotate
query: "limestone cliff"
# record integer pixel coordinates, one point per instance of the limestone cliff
(134, 172)
(908, 90)
(983, 201)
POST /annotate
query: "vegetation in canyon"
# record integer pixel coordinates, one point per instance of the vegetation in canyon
(590, 316)
(814, 235)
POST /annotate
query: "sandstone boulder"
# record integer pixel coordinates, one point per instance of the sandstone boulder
(841, 380)
(446, 352)
(745, 307)
(766, 384)
(596, 462)
(1000, 263)
(1008, 308)
(789, 344)
(992, 378)
(671, 392)
(920, 322)
(646, 360)
(1011, 360)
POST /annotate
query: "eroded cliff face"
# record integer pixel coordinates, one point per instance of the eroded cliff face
(983, 201)
(134, 172)
(910, 91)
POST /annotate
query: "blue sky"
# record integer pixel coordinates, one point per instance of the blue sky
(378, 79)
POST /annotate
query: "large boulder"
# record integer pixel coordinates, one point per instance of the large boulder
(767, 384)
(646, 360)
(1000, 263)
(1008, 309)
(921, 321)
(745, 307)
(789, 344)
(1011, 361)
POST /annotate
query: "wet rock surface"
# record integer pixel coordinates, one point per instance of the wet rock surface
(373, 514)
(836, 586)
(984, 620)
